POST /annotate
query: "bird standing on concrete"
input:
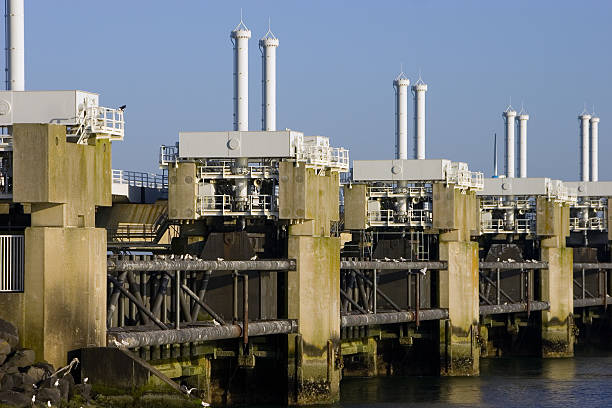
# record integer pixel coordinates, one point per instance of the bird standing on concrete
(423, 271)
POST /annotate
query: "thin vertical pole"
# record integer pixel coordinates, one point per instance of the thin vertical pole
(245, 309)
(177, 300)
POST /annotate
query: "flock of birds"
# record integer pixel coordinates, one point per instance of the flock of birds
(191, 257)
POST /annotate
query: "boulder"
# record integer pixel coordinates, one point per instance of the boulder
(66, 387)
(48, 394)
(37, 373)
(21, 359)
(9, 333)
(5, 350)
(7, 382)
(45, 366)
(15, 399)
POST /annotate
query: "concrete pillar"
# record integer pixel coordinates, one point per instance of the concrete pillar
(63, 306)
(313, 291)
(456, 215)
(556, 281)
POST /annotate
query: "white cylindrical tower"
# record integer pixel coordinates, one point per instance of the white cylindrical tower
(401, 84)
(15, 45)
(509, 116)
(419, 89)
(268, 46)
(594, 148)
(584, 146)
(522, 128)
(240, 37)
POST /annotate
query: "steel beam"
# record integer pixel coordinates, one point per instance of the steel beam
(587, 302)
(196, 334)
(370, 319)
(513, 265)
(168, 265)
(592, 265)
(392, 265)
(534, 305)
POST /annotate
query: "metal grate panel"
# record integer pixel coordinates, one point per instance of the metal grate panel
(12, 263)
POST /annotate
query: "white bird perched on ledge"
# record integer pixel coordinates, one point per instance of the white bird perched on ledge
(423, 271)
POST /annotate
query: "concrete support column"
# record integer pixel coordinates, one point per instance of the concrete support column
(456, 215)
(458, 292)
(310, 200)
(556, 282)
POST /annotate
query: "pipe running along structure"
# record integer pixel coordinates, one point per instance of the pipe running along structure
(15, 45)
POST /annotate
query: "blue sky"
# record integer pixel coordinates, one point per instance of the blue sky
(171, 63)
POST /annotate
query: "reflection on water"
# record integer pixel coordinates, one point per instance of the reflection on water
(524, 382)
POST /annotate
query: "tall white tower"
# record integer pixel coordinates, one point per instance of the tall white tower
(594, 148)
(509, 115)
(15, 45)
(584, 146)
(522, 119)
(240, 38)
(401, 84)
(419, 89)
(268, 45)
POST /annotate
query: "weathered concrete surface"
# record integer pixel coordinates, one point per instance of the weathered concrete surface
(557, 289)
(64, 301)
(65, 291)
(314, 299)
(360, 357)
(313, 291)
(182, 191)
(557, 285)
(355, 207)
(456, 215)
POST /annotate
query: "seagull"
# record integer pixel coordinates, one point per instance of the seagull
(56, 383)
(423, 271)
(387, 259)
(172, 256)
(497, 259)
(33, 399)
(254, 257)
(403, 259)
(188, 391)
(219, 259)
(85, 380)
(122, 107)
(511, 260)
(216, 323)
(395, 260)
(34, 386)
(205, 404)
(48, 403)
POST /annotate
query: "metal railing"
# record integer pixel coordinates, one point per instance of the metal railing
(224, 204)
(225, 169)
(106, 121)
(592, 224)
(12, 262)
(140, 179)
(390, 191)
(414, 218)
(168, 154)
(498, 226)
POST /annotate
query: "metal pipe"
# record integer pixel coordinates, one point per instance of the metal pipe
(375, 289)
(595, 301)
(135, 289)
(513, 265)
(509, 116)
(513, 308)
(245, 309)
(201, 294)
(268, 45)
(369, 319)
(193, 334)
(417, 299)
(401, 84)
(584, 146)
(161, 294)
(393, 265)
(419, 90)
(177, 303)
(114, 298)
(140, 306)
(15, 45)
(592, 265)
(522, 127)
(204, 306)
(240, 36)
(158, 265)
(594, 148)
(378, 291)
(352, 302)
(235, 297)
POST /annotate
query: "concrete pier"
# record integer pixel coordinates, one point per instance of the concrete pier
(456, 216)
(556, 281)
(313, 293)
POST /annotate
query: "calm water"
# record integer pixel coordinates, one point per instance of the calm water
(527, 382)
